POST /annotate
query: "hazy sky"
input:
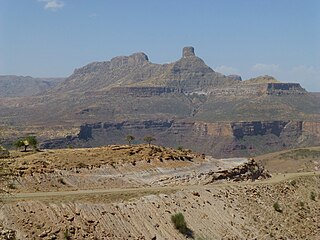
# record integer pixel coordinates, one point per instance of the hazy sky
(50, 38)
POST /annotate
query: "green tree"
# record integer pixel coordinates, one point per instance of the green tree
(19, 143)
(26, 142)
(149, 139)
(130, 138)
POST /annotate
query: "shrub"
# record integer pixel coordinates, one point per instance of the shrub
(62, 181)
(149, 139)
(313, 196)
(25, 142)
(66, 235)
(130, 138)
(180, 223)
(293, 182)
(11, 185)
(301, 204)
(277, 207)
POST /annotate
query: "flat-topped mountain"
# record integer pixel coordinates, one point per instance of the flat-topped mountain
(136, 74)
(189, 73)
(182, 103)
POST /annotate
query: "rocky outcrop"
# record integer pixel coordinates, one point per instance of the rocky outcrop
(238, 130)
(7, 234)
(188, 52)
(134, 59)
(235, 77)
(220, 139)
(259, 89)
(242, 129)
(143, 91)
(247, 171)
(285, 88)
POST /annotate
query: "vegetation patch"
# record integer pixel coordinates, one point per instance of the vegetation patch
(26, 142)
(277, 207)
(313, 196)
(181, 225)
(301, 154)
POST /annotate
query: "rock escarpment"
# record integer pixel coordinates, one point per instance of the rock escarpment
(285, 88)
(143, 91)
(219, 139)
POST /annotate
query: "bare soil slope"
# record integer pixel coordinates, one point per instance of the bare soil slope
(141, 190)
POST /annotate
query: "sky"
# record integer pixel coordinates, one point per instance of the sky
(50, 38)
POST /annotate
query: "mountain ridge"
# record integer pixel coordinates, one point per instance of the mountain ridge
(133, 89)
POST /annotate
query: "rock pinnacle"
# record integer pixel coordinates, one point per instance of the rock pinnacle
(188, 52)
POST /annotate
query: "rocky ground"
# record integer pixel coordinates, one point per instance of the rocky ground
(118, 192)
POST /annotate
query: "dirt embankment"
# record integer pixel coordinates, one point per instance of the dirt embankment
(138, 194)
(124, 166)
(243, 211)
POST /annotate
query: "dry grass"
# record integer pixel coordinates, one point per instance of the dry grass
(296, 160)
(134, 157)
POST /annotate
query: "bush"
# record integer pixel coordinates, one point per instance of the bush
(277, 207)
(313, 196)
(180, 148)
(25, 142)
(180, 223)
(149, 139)
(66, 235)
(130, 138)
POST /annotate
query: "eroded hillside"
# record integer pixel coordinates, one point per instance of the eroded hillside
(65, 188)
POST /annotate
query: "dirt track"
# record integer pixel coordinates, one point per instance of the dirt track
(216, 211)
(145, 190)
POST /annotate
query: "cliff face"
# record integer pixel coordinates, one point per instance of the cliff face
(219, 139)
(242, 129)
(285, 88)
(143, 91)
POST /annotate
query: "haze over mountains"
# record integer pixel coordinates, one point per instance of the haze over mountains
(19, 86)
(184, 103)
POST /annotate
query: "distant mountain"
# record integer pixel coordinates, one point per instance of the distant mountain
(19, 86)
(190, 73)
(183, 103)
